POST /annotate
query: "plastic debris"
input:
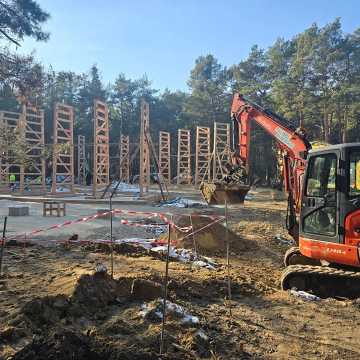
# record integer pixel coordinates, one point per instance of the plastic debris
(187, 256)
(305, 295)
(124, 187)
(100, 268)
(283, 240)
(154, 309)
(180, 202)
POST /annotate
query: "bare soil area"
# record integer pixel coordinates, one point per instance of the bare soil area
(53, 306)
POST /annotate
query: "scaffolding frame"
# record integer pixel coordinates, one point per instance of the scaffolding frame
(63, 148)
(203, 155)
(222, 150)
(184, 157)
(144, 171)
(124, 166)
(101, 176)
(81, 160)
(164, 156)
(9, 122)
(32, 175)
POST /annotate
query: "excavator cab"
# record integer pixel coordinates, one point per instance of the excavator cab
(327, 261)
(330, 207)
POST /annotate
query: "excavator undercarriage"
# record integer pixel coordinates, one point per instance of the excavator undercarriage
(323, 281)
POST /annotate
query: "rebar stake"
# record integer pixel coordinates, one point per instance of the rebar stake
(165, 292)
(228, 260)
(111, 239)
(3, 244)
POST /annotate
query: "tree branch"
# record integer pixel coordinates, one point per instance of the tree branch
(9, 38)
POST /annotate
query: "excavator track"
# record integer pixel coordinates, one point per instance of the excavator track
(293, 256)
(322, 281)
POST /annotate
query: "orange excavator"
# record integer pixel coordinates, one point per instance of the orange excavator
(323, 216)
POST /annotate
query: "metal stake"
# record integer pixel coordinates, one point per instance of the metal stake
(228, 259)
(111, 238)
(3, 244)
(193, 237)
(165, 292)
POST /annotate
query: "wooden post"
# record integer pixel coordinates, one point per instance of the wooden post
(81, 160)
(202, 157)
(101, 146)
(124, 164)
(221, 151)
(164, 156)
(144, 171)
(63, 151)
(184, 157)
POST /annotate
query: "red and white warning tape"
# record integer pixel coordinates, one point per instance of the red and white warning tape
(161, 216)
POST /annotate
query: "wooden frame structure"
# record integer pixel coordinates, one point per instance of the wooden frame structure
(101, 176)
(124, 166)
(81, 160)
(184, 157)
(9, 122)
(63, 149)
(203, 155)
(164, 156)
(144, 171)
(222, 150)
(32, 175)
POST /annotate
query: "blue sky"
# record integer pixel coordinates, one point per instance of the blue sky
(162, 38)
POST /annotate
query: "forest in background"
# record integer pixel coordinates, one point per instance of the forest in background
(312, 79)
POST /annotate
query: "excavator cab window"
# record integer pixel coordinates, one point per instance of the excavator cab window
(354, 188)
(321, 195)
(322, 176)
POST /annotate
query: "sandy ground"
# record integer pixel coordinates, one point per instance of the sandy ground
(50, 308)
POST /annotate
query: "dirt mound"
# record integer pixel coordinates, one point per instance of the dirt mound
(68, 344)
(48, 310)
(210, 239)
(62, 345)
(96, 290)
(123, 248)
(197, 343)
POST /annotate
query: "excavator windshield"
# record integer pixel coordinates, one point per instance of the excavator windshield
(354, 188)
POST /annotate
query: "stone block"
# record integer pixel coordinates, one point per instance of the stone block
(18, 210)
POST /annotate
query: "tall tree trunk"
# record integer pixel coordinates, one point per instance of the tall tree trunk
(345, 125)
(326, 126)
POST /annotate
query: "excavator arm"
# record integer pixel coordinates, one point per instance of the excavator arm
(292, 142)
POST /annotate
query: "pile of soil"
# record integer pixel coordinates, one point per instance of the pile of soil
(211, 240)
(49, 310)
(96, 291)
(61, 345)
(124, 249)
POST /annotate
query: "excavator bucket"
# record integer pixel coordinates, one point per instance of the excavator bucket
(217, 193)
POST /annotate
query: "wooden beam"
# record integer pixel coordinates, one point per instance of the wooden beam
(101, 177)
(164, 156)
(124, 164)
(144, 170)
(63, 150)
(184, 157)
(32, 175)
(203, 155)
(81, 160)
(9, 122)
(221, 151)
